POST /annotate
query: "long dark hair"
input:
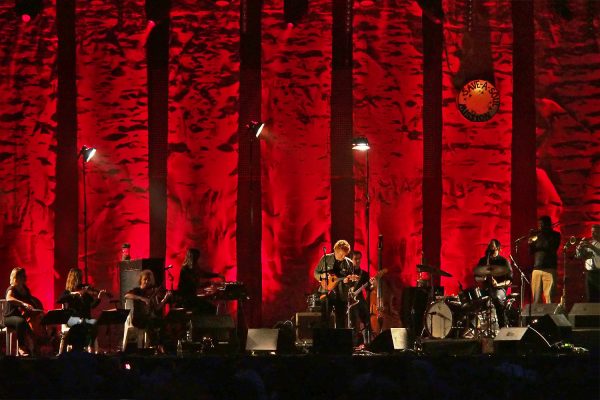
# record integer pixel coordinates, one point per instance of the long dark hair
(191, 258)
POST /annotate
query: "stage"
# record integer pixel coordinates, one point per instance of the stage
(445, 369)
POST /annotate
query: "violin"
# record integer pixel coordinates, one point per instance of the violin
(92, 291)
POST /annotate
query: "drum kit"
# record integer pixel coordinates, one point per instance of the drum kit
(471, 314)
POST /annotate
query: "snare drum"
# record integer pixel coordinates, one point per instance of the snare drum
(439, 319)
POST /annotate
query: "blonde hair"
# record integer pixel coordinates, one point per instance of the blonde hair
(16, 273)
(342, 245)
(150, 276)
(73, 279)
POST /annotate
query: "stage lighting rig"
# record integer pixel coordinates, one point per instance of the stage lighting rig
(28, 9)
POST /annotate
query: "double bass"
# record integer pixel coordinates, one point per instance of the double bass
(376, 296)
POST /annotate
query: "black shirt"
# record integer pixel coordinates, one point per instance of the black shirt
(544, 249)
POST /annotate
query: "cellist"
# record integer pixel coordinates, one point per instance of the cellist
(23, 310)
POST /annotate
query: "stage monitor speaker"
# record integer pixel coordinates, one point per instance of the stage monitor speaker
(220, 329)
(332, 341)
(129, 273)
(585, 315)
(555, 328)
(390, 340)
(305, 323)
(262, 340)
(534, 311)
(520, 341)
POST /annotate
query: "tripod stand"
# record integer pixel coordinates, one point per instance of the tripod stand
(522, 288)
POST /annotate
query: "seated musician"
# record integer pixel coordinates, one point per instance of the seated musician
(334, 272)
(192, 278)
(496, 286)
(21, 306)
(81, 299)
(149, 303)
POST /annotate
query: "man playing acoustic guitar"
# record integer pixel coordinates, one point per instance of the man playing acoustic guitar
(334, 272)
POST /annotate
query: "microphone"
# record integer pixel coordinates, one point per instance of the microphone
(324, 251)
(169, 267)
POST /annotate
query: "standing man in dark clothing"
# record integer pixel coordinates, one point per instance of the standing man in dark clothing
(589, 250)
(333, 271)
(543, 245)
(192, 278)
(495, 284)
(359, 311)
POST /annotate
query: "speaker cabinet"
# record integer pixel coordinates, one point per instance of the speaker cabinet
(305, 323)
(332, 341)
(554, 328)
(262, 340)
(129, 273)
(520, 341)
(220, 329)
(390, 340)
(585, 315)
(535, 311)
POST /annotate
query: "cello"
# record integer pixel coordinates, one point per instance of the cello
(376, 296)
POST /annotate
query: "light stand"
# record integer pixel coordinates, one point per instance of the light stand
(86, 154)
(362, 144)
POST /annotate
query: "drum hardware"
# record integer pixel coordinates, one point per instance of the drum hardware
(491, 270)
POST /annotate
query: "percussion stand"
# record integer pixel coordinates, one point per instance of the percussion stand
(522, 288)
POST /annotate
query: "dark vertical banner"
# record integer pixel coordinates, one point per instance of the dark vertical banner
(433, 44)
(523, 163)
(388, 106)
(157, 52)
(202, 175)
(567, 123)
(66, 206)
(249, 216)
(28, 146)
(476, 158)
(296, 89)
(112, 116)
(342, 180)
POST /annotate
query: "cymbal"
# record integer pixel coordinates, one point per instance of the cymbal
(432, 270)
(491, 270)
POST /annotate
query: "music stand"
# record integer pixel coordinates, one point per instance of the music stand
(57, 317)
(112, 317)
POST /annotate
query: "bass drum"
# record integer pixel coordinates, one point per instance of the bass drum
(439, 319)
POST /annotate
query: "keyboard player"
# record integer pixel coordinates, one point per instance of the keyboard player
(192, 278)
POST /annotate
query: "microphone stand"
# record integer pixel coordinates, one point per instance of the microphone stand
(325, 310)
(522, 289)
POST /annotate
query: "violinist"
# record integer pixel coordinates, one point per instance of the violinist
(191, 278)
(149, 302)
(22, 306)
(80, 299)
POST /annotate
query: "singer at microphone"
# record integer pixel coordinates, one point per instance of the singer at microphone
(544, 250)
(334, 272)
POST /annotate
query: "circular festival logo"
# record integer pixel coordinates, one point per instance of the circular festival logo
(478, 101)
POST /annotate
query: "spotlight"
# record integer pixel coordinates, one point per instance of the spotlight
(87, 153)
(294, 10)
(28, 9)
(360, 144)
(256, 127)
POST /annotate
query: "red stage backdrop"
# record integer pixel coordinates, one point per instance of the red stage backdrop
(296, 82)
(476, 155)
(388, 102)
(113, 117)
(27, 147)
(567, 70)
(296, 76)
(203, 113)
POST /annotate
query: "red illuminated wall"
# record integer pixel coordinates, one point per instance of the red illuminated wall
(567, 67)
(296, 87)
(112, 116)
(203, 112)
(476, 155)
(27, 143)
(202, 176)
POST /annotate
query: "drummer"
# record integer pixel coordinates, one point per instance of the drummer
(494, 274)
